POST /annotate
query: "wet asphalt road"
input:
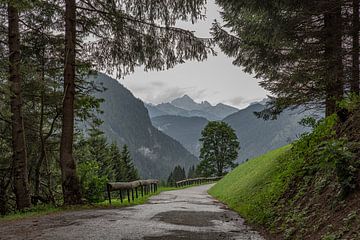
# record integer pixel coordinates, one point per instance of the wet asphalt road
(188, 214)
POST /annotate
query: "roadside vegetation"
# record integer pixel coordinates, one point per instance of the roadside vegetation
(307, 190)
(45, 209)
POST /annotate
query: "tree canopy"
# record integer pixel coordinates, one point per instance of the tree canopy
(299, 49)
(219, 149)
(47, 50)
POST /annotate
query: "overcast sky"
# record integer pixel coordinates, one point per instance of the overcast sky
(215, 80)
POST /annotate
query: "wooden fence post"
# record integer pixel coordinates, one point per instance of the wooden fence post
(109, 193)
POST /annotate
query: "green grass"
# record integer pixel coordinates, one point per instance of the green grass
(43, 209)
(252, 187)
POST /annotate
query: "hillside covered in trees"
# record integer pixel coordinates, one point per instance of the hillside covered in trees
(125, 120)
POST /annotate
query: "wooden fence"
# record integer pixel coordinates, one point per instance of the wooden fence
(192, 181)
(132, 188)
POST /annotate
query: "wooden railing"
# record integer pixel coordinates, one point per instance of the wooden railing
(145, 187)
(192, 181)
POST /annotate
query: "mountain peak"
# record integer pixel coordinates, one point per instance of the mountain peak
(186, 106)
(185, 98)
(184, 102)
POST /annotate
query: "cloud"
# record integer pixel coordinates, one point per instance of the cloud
(157, 84)
(242, 102)
(147, 152)
(169, 94)
(237, 101)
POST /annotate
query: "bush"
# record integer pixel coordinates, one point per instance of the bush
(323, 149)
(92, 183)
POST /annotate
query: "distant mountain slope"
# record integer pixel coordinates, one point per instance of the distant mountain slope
(154, 111)
(187, 130)
(187, 107)
(170, 109)
(126, 121)
(258, 136)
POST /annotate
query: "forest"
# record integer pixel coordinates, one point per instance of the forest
(306, 54)
(47, 51)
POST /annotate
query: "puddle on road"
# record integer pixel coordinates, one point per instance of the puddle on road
(189, 218)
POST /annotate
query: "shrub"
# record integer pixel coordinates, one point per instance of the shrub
(92, 183)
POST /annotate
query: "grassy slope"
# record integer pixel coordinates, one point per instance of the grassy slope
(253, 186)
(270, 191)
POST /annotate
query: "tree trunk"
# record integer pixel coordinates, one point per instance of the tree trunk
(355, 81)
(21, 185)
(70, 181)
(333, 56)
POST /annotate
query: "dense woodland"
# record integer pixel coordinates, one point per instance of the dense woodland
(48, 48)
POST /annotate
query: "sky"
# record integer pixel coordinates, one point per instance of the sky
(215, 80)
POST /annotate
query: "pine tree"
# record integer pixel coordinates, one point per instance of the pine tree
(178, 173)
(355, 78)
(21, 185)
(171, 180)
(70, 181)
(192, 172)
(118, 165)
(131, 173)
(296, 47)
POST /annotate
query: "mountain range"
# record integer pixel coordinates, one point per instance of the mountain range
(256, 136)
(126, 121)
(165, 135)
(185, 106)
(187, 130)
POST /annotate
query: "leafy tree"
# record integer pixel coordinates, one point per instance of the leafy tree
(219, 149)
(92, 182)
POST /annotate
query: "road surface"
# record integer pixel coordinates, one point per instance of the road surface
(189, 214)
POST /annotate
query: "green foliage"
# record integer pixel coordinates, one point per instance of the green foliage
(350, 103)
(323, 149)
(308, 122)
(128, 172)
(92, 182)
(100, 163)
(219, 150)
(280, 42)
